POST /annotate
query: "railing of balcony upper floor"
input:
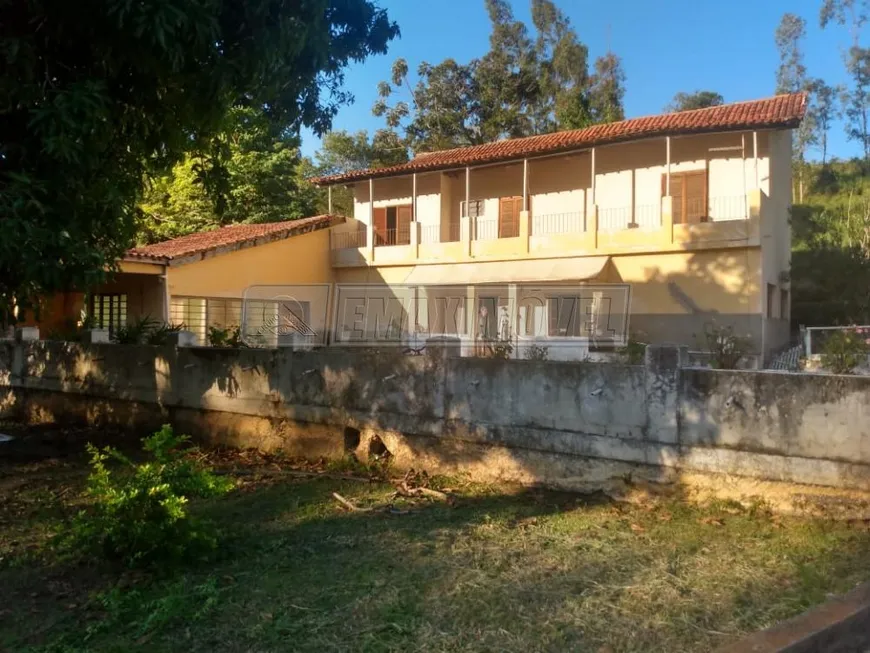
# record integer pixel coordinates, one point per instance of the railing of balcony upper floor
(641, 216)
(390, 237)
(349, 239)
(648, 217)
(558, 223)
(495, 228)
(431, 234)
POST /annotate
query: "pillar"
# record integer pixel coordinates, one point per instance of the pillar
(662, 365)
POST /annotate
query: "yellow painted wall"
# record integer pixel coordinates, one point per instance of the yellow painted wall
(675, 295)
(296, 260)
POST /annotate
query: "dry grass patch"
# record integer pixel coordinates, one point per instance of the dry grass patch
(501, 569)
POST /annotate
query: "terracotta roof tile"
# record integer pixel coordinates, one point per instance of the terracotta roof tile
(781, 111)
(233, 237)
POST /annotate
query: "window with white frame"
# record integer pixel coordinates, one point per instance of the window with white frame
(474, 209)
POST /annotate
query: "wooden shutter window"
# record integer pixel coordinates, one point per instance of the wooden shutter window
(509, 217)
(380, 225)
(689, 196)
(403, 224)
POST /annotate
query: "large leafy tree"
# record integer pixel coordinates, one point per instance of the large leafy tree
(261, 176)
(95, 95)
(341, 151)
(697, 100)
(791, 76)
(528, 82)
(855, 98)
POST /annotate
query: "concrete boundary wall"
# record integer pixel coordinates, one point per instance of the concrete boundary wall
(558, 423)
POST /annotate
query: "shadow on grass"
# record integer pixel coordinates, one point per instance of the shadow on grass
(502, 570)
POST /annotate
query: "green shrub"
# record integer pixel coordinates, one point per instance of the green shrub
(229, 337)
(634, 350)
(535, 352)
(140, 516)
(145, 331)
(845, 350)
(726, 347)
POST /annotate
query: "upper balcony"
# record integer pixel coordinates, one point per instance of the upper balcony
(696, 192)
(673, 224)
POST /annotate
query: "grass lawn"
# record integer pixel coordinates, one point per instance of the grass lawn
(503, 569)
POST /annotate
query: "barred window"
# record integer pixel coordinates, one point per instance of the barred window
(108, 311)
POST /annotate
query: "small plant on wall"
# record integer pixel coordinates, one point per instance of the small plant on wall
(225, 337)
(536, 352)
(727, 348)
(635, 349)
(845, 350)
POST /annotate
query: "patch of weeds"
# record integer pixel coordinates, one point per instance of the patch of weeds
(377, 468)
(140, 516)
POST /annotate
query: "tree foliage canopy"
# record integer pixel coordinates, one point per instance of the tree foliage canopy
(342, 151)
(97, 94)
(697, 100)
(526, 83)
(262, 182)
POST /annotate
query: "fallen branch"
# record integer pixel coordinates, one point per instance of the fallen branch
(347, 504)
(402, 489)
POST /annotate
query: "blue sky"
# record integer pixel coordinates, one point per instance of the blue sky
(666, 46)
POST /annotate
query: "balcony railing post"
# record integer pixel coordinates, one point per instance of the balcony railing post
(592, 225)
(525, 230)
(755, 201)
(415, 239)
(668, 219)
(466, 225)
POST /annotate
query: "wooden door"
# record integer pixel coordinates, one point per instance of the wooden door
(509, 217)
(380, 226)
(689, 193)
(404, 217)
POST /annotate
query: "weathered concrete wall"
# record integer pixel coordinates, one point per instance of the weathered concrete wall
(531, 421)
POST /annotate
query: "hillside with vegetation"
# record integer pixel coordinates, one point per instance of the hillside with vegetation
(830, 275)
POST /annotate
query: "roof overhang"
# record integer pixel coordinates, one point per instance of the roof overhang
(779, 112)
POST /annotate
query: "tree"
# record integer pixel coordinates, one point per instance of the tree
(446, 112)
(97, 95)
(262, 180)
(340, 151)
(525, 84)
(791, 76)
(608, 89)
(823, 110)
(696, 100)
(853, 12)
(856, 101)
(563, 75)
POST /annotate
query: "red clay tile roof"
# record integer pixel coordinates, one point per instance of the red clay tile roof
(232, 237)
(781, 111)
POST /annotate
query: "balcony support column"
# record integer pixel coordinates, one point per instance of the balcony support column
(525, 184)
(668, 219)
(668, 164)
(370, 228)
(755, 157)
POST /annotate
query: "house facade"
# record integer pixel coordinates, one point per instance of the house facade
(689, 210)
(202, 280)
(665, 225)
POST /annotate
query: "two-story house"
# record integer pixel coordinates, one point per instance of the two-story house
(690, 210)
(676, 221)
